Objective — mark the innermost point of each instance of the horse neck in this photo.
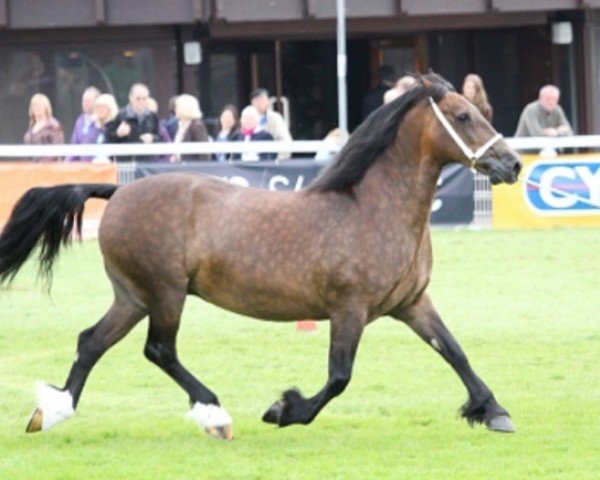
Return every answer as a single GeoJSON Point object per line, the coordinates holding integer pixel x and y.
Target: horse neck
{"type": "Point", "coordinates": [404, 181]}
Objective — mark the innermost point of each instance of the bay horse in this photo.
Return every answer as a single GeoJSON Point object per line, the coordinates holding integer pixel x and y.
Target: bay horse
{"type": "Point", "coordinates": [354, 246]}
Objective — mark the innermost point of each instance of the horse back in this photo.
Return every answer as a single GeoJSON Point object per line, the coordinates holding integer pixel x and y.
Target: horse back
{"type": "Point", "coordinates": [198, 234]}
{"type": "Point", "coordinates": [273, 255]}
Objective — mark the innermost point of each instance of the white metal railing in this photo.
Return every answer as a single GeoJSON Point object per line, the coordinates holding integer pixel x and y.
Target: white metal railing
{"type": "Point", "coordinates": [482, 199]}
{"type": "Point", "coordinates": [153, 149]}
{"type": "Point", "coordinates": [548, 143]}
{"type": "Point", "coordinates": [125, 172]}
{"type": "Point", "coordinates": [482, 194]}
{"type": "Point", "coordinates": [296, 146]}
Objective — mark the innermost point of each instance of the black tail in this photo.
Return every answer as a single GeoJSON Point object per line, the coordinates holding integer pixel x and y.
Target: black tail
{"type": "Point", "coordinates": [45, 215]}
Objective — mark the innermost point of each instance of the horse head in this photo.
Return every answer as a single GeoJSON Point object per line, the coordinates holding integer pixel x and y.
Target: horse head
{"type": "Point", "coordinates": [429, 120]}
{"type": "Point", "coordinates": [458, 132]}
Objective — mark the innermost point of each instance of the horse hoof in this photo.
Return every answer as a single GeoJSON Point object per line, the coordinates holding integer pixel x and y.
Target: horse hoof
{"type": "Point", "coordinates": [501, 423]}
{"type": "Point", "coordinates": [35, 422]}
{"type": "Point", "coordinates": [273, 414]}
{"type": "Point", "coordinates": [214, 419]}
{"type": "Point", "coordinates": [54, 406]}
{"type": "Point", "coordinates": [224, 432]}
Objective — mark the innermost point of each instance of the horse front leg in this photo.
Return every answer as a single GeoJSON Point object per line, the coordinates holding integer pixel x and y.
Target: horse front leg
{"type": "Point", "coordinates": [346, 330]}
{"type": "Point", "coordinates": [481, 407]}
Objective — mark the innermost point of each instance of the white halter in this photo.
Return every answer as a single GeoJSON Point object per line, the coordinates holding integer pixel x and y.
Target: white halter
{"type": "Point", "coordinates": [473, 156]}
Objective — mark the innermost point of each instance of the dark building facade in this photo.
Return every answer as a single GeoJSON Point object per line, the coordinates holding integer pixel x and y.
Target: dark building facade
{"type": "Point", "coordinates": [220, 50]}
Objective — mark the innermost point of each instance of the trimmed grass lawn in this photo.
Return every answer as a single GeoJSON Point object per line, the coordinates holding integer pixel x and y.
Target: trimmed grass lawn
{"type": "Point", "coordinates": [523, 304]}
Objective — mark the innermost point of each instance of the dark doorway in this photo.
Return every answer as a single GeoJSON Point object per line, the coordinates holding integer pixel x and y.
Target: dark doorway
{"type": "Point", "coordinates": [304, 72]}
{"type": "Point", "coordinates": [310, 81]}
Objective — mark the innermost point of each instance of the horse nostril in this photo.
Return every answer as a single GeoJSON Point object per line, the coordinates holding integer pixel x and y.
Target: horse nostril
{"type": "Point", "coordinates": [517, 167]}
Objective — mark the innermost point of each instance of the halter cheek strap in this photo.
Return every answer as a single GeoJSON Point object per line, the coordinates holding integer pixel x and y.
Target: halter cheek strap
{"type": "Point", "coordinates": [470, 154]}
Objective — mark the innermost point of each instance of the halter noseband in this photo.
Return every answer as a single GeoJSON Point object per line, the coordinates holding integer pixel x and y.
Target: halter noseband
{"type": "Point", "coordinates": [472, 156]}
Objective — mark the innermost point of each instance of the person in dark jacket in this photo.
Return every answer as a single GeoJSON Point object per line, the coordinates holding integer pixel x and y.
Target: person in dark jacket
{"type": "Point", "coordinates": [170, 123]}
{"type": "Point", "coordinates": [190, 127]}
{"type": "Point", "coordinates": [374, 99]}
{"type": "Point", "coordinates": [228, 129]}
{"type": "Point", "coordinates": [136, 123]}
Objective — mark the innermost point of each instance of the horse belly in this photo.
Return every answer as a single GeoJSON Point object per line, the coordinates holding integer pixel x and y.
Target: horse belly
{"type": "Point", "coordinates": [268, 300]}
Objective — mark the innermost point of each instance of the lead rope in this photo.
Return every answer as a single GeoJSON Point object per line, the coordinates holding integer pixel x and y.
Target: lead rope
{"type": "Point", "coordinates": [472, 156]}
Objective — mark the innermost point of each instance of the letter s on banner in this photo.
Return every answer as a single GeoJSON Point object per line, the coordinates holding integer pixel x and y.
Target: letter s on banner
{"type": "Point", "coordinates": [284, 183]}
{"type": "Point", "coordinates": [278, 179]}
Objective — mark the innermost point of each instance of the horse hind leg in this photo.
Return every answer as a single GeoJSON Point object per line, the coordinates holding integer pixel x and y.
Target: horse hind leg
{"type": "Point", "coordinates": [346, 331]}
{"type": "Point", "coordinates": [56, 405]}
{"type": "Point", "coordinates": [481, 406]}
{"type": "Point", "coordinates": [161, 350]}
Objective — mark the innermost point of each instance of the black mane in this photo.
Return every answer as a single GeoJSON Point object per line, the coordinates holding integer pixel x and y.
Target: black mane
{"type": "Point", "coordinates": [375, 135]}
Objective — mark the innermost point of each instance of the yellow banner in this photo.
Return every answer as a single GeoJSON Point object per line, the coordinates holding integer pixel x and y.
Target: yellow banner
{"type": "Point", "coordinates": [562, 191]}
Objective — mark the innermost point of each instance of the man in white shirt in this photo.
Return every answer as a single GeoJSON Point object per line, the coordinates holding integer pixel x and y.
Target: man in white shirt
{"type": "Point", "coordinates": [270, 120]}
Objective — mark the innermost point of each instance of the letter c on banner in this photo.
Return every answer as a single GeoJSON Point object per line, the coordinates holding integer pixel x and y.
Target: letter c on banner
{"type": "Point", "coordinates": [556, 200]}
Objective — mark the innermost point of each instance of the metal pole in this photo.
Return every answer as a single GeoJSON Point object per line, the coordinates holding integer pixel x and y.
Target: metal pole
{"type": "Point", "coordinates": [278, 78]}
{"type": "Point", "coordinates": [341, 71]}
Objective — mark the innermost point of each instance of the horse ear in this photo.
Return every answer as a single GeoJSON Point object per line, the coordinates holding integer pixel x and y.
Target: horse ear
{"type": "Point", "coordinates": [422, 80]}
{"type": "Point", "coordinates": [432, 79]}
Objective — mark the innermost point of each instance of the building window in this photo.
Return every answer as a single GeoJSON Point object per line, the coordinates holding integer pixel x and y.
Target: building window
{"type": "Point", "coordinates": [63, 73]}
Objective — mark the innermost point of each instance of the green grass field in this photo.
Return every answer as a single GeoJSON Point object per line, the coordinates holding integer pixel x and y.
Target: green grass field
{"type": "Point", "coordinates": [524, 306]}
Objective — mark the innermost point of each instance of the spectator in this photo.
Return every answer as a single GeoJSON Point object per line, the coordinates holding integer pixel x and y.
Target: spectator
{"type": "Point", "coordinates": [136, 123]}
{"type": "Point", "coordinates": [229, 129]}
{"type": "Point", "coordinates": [474, 91]}
{"type": "Point", "coordinates": [334, 138]}
{"type": "Point", "coordinates": [270, 120]}
{"type": "Point", "coordinates": [391, 95]}
{"type": "Point", "coordinates": [190, 127]}
{"type": "Point", "coordinates": [374, 99]}
{"type": "Point", "coordinates": [44, 129]}
{"type": "Point", "coordinates": [84, 130]}
{"type": "Point", "coordinates": [405, 83]}
{"type": "Point", "coordinates": [252, 131]}
{"type": "Point", "coordinates": [544, 117]}
{"type": "Point", "coordinates": [105, 114]}
{"type": "Point", "coordinates": [162, 131]}
{"type": "Point", "coordinates": [170, 123]}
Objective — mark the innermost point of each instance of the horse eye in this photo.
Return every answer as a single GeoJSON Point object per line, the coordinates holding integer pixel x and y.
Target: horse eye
{"type": "Point", "coordinates": [463, 117]}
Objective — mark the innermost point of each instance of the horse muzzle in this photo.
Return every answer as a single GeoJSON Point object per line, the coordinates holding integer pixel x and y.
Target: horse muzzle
{"type": "Point", "coordinates": [505, 169]}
